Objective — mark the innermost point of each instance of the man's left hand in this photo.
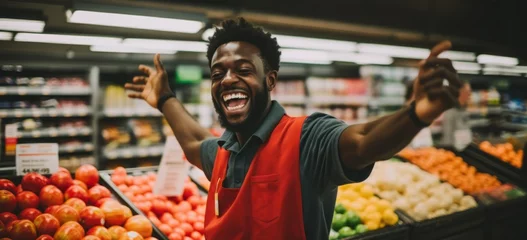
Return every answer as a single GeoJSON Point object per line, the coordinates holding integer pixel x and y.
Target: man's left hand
{"type": "Point", "coordinates": [436, 88]}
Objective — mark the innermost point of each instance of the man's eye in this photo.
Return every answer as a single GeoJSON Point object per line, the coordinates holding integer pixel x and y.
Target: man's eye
{"type": "Point", "coordinates": [216, 76]}
{"type": "Point", "coordinates": [244, 72]}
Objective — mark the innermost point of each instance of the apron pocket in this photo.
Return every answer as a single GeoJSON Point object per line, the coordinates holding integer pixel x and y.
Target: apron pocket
{"type": "Point", "coordinates": [264, 190]}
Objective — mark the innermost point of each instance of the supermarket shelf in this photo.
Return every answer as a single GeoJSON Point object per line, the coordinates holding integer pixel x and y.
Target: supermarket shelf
{"type": "Point", "coordinates": [74, 148]}
{"type": "Point", "coordinates": [44, 91]}
{"type": "Point", "coordinates": [56, 132]}
{"type": "Point", "coordinates": [45, 112]}
{"type": "Point", "coordinates": [386, 101]}
{"type": "Point", "coordinates": [515, 126]}
{"type": "Point", "coordinates": [479, 123]}
{"type": "Point", "coordinates": [339, 100]}
{"type": "Point", "coordinates": [291, 99]}
{"type": "Point", "coordinates": [144, 112]}
{"type": "Point", "coordinates": [484, 111]}
{"type": "Point", "coordinates": [134, 152]}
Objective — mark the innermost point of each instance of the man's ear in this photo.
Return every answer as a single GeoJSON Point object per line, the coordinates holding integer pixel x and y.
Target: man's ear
{"type": "Point", "coordinates": [271, 79]}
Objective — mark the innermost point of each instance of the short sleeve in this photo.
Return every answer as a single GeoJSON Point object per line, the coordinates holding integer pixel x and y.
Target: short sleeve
{"type": "Point", "coordinates": [209, 148]}
{"type": "Point", "coordinates": [319, 153]}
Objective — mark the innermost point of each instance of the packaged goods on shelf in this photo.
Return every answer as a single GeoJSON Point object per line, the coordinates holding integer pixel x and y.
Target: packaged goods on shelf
{"type": "Point", "coordinates": [289, 92]}
{"type": "Point", "coordinates": [117, 103]}
{"type": "Point", "coordinates": [146, 132]}
{"type": "Point", "coordinates": [504, 152]}
{"type": "Point", "coordinates": [65, 205]}
{"type": "Point", "coordinates": [71, 163]}
{"type": "Point", "coordinates": [419, 193]}
{"type": "Point", "coordinates": [338, 91]}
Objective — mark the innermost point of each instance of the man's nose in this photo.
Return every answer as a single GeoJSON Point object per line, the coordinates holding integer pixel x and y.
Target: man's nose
{"type": "Point", "coordinates": [229, 79]}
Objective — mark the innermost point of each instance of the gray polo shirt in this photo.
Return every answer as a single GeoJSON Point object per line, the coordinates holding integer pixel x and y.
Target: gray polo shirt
{"type": "Point", "coordinates": [321, 170]}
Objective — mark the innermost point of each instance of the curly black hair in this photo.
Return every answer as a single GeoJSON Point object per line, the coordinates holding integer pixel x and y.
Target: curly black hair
{"type": "Point", "coordinates": [240, 30]}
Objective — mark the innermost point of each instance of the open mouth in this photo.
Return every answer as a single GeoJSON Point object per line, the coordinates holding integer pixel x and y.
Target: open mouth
{"type": "Point", "coordinates": [235, 101]}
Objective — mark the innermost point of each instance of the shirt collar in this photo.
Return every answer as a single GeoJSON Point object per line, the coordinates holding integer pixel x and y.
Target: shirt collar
{"type": "Point", "coordinates": [263, 132]}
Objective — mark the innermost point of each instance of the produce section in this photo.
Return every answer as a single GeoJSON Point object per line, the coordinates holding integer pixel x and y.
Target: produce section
{"type": "Point", "coordinates": [504, 152]}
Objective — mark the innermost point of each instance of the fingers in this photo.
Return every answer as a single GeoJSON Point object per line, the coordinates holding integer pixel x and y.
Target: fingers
{"type": "Point", "coordinates": [139, 79]}
{"type": "Point", "coordinates": [134, 87]}
{"type": "Point", "coordinates": [434, 62]}
{"type": "Point", "coordinates": [146, 69]}
{"type": "Point", "coordinates": [134, 95]}
{"type": "Point", "coordinates": [440, 47]}
{"type": "Point", "coordinates": [440, 73]}
{"type": "Point", "coordinates": [158, 64]}
{"type": "Point", "coordinates": [448, 94]}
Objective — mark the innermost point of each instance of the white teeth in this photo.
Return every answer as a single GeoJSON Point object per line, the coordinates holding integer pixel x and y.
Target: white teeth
{"type": "Point", "coordinates": [235, 107]}
{"type": "Point", "coordinates": [228, 97]}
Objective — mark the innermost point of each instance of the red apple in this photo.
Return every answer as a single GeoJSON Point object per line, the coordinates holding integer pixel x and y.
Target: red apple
{"type": "Point", "coordinates": [7, 218]}
{"type": "Point", "coordinates": [114, 213]}
{"type": "Point", "coordinates": [100, 232]}
{"type": "Point", "coordinates": [66, 213]}
{"type": "Point", "coordinates": [69, 231]}
{"type": "Point", "coordinates": [87, 174]}
{"type": "Point", "coordinates": [131, 235]}
{"type": "Point", "coordinates": [46, 224]}
{"type": "Point", "coordinates": [52, 209]}
{"type": "Point", "coordinates": [50, 195]}
{"type": "Point", "coordinates": [116, 231]}
{"type": "Point", "coordinates": [139, 224]}
{"type": "Point", "coordinates": [3, 230]}
{"type": "Point", "coordinates": [19, 189]}
{"type": "Point", "coordinates": [29, 214]}
{"type": "Point", "coordinates": [119, 171]}
{"type": "Point", "coordinates": [27, 199]}
{"type": "Point", "coordinates": [61, 169]}
{"type": "Point", "coordinates": [23, 230]}
{"type": "Point", "coordinates": [101, 201]}
{"type": "Point", "coordinates": [45, 237]}
{"type": "Point", "coordinates": [91, 216]}
{"type": "Point", "coordinates": [76, 191]}
{"type": "Point", "coordinates": [34, 182]}
{"type": "Point", "coordinates": [7, 185]}
{"type": "Point", "coordinates": [9, 226]}
{"type": "Point", "coordinates": [81, 184]}
{"type": "Point", "coordinates": [91, 237]}
{"type": "Point", "coordinates": [7, 201]}
{"type": "Point", "coordinates": [98, 192]}
{"type": "Point", "coordinates": [76, 203]}
{"type": "Point", "coordinates": [61, 180]}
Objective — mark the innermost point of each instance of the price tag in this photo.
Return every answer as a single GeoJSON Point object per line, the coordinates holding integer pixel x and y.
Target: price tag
{"type": "Point", "coordinates": [462, 139]}
{"type": "Point", "coordinates": [423, 139]}
{"type": "Point", "coordinates": [42, 158]}
{"type": "Point", "coordinates": [22, 91]}
{"type": "Point", "coordinates": [173, 170]}
{"type": "Point", "coordinates": [11, 139]}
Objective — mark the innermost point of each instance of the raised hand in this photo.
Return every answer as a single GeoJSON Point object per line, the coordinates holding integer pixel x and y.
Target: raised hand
{"type": "Point", "coordinates": [436, 88]}
{"type": "Point", "coordinates": [151, 87]}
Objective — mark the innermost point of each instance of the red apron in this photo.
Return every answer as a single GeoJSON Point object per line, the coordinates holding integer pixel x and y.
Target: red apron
{"type": "Point", "coordinates": [269, 203]}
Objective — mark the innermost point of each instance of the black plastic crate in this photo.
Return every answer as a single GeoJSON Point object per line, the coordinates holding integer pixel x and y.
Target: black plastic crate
{"type": "Point", "coordinates": [11, 175]}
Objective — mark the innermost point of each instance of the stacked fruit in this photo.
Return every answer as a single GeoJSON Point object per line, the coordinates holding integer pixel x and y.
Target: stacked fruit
{"type": "Point", "coordinates": [180, 217]}
{"type": "Point", "coordinates": [418, 193]}
{"type": "Point", "coordinates": [358, 210]}
{"type": "Point", "coordinates": [63, 208]}
{"type": "Point", "coordinates": [504, 152]}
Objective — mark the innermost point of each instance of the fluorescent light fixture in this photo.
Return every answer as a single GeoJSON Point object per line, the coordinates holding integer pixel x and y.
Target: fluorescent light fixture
{"type": "Point", "coordinates": [497, 60]}
{"type": "Point", "coordinates": [305, 56]}
{"type": "Point", "coordinates": [207, 34]}
{"type": "Point", "coordinates": [21, 25]}
{"type": "Point", "coordinates": [66, 39]}
{"type": "Point", "coordinates": [459, 56]}
{"type": "Point", "coordinates": [134, 21]}
{"type": "Point", "coordinates": [394, 51]}
{"type": "Point", "coordinates": [466, 66]}
{"type": "Point", "coordinates": [6, 36]}
{"type": "Point", "coordinates": [506, 70]}
{"type": "Point", "coordinates": [361, 58]}
{"type": "Point", "coordinates": [126, 49]}
{"type": "Point", "coordinates": [468, 72]}
{"type": "Point", "coordinates": [184, 46]}
{"type": "Point", "coordinates": [314, 43]}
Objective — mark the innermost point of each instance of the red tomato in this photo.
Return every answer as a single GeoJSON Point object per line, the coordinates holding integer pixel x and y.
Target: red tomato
{"type": "Point", "coordinates": [165, 229]}
{"type": "Point", "coordinates": [180, 231]}
{"type": "Point", "coordinates": [129, 180]}
{"type": "Point", "coordinates": [200, 210]}
{"type": "Point", "coordinates": [149, 196]}
{"type": "Point", "coordinates": [194, 201]}
{"type": "Point", "coordinates": [175, 236]}
{"type": "Point", "coordinates": [201, 218]}
{"type": "Point", "coordinates": [181, 217]}
{"type": "Point", "coordinates": [166, 217]}
{"type": "Point", "coordinates": [145, 189]}
{"type": "Point", "coordinates": [195, 235]}
{"type": "Point", "coordinates": [134, 189]}
{"type": "Point", "coordinates": [191, 219]}
{"type": "Point", "coordinates": [173, 223]}
{"type": "Point", "coordinates": [186, 227]}
{"type": "Point", "coordinates": [123, 187]}
{"type": "Point", "coordinates": [184, 206]}
{"type": "Point", "coordinates": [199, 226]}
{"type": "Point", "coordinates": [159, 207]}
{"type": "Point", "coordinates": [187, 238]}
{"type": "Point", "coordinates": [140, 198]}
{"type": "Point", "coordinates": [160, 197]}
{"type": "Point", "coordinates": [129, 195]}
{"type": "Point", "coordinates": [154, 220]}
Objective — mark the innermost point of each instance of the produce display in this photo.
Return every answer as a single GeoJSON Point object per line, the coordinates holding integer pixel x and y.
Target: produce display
{"type": "Point", "coordinates": [504, 152]}
{"type": "Point", "coordinates": [358, 211]}
{"type": "Point", "coordinates": [179, 217]}
{"type": "Point", "coordinates": [451, 168]}
{"type": "Point", "coordinates": [64, 208]}
{"type": "Point", "coordinates": [418, 193]}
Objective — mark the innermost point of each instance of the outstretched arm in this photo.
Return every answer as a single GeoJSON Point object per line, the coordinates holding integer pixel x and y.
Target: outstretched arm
{"type": "Point", "coordinates": [188, 132]}
{"type": "Point", "coordinates": [361, 145]}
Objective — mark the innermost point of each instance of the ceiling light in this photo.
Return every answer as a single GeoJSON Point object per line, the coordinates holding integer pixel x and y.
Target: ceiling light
{"type": "Point", "coordinates": [457, 55]}
{"type": "Point", "coordinates": [185, 46]}
{"type": "Point", "coordinates": [394, 51]}
{"type": "Point", "coordinates": [305, 56]}
{"type": "Point", "coordinates": [497, 60]}
{"type": "Point", "coordinates": [21, 25]}
{"type": "Point", "coordinates": [134, 21]}
{"type": "Point", "coordinates": [468, 72]}
{"type": "Point", "coordinates": [361, 58]}
{"type": "Point", "coordinates": [126, 49]}
{"type": "Point", "coordinates": [66, 39]}
{"type": "Point", "coordinates": [503, 69]}
{"type": "Point", "coordinates": [466, 66]}
{"type": "Point", "coordinates": [6, 36]}
{"type": "Point", "coordinates": [315, 43]}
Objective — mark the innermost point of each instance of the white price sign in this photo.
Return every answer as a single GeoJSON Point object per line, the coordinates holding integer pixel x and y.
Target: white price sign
{"type": "Point", "coordinates": [423, 139]}
{"type": "Point", "coordinates": [173, 170]}
{"type": "Point", "coordinates": [42, 158]}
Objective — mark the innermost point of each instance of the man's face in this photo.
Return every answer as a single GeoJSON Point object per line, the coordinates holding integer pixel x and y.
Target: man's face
{"type": "Point", "coordinates": [464, 95]}
{"type": "Point", "coordinates": [239, 86]}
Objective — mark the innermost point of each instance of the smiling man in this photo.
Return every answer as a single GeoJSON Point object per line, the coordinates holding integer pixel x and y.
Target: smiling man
{"type": "Point", "coordinates": [274, 176]}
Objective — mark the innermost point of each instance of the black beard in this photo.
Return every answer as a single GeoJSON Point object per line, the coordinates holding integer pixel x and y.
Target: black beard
{"type": "Point", "coordinates": [256, 112]}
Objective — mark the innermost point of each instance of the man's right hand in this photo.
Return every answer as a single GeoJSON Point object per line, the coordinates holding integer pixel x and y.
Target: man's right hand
{"type": "Point", "coordinates": [152, 87]}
